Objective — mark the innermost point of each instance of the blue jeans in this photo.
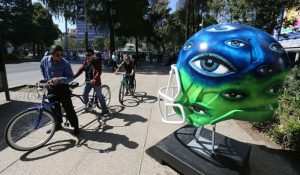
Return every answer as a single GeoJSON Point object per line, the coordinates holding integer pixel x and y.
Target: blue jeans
{"type": "Point", "coordinates": [128, 82]}
{"type": "Point", "coordinates": [88, 87]}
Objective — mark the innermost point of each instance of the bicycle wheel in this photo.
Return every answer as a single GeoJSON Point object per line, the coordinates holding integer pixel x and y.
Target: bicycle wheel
{"type": "Point", "coordinates": [27, 131]}
{"type": "Point", "coordinates": [105, 90]}
{"type": "Point", "coordinates": [121, 93]}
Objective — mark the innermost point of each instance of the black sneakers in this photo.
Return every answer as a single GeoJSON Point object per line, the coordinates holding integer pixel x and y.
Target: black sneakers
{"type": "Point", "coordinates": [104, 113]}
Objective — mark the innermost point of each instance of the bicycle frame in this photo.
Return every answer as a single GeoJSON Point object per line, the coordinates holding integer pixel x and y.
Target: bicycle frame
{"type": "Point", "coordinates": [124, 82]}
{"type": "Point", "coordinates": [41, 109]}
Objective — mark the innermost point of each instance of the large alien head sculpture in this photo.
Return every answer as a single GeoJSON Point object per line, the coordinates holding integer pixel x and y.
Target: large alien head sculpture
{"type": "Point", "coordinates": [226, 71]}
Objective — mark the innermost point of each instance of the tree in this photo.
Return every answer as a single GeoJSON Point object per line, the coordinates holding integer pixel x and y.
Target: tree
{"type": "Point", "coordinates": [65, 8]}
{"type": "Point", "coordinates": [266, 12]}
{"type": "Point", "coordinates": [15, 21]}
{"type": "Point", "coordinates": [44, 30]}
{"type": "Point", "coordinates": [99, 43]}
{"type": "Point", "coordinates": [102, 14]}
{"type": "Point", "coordinates": [158, 15]}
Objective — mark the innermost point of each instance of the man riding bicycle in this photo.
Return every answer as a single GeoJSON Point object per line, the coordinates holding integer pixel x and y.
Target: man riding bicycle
{"type": "Point", "coordinates": [93, 70]}
{"type": "Point", "coordinates": [130, 73]}
{"type": "Point", "coordinates": [58, 71]}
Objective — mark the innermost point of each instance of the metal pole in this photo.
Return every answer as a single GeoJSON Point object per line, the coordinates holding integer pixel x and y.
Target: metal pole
{"type": "Point", "coordinates": [86, 26]}
{"type": "Point", "coordinates": [213, 139]}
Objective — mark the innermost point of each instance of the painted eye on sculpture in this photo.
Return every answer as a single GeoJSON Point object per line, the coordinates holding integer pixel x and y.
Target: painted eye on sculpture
{"type": "Point", "coordinates": [276, 47]}
{"type": "Point", "coordinates": [235, 43]}
{"type": "Point", "coordinates": [211, 65]}
{"type": "Point", "coordinates": [275, 90]}
{"type": "Point", "coordinates": [188, 46]}
{"type": "Point", "coordinates": [233, 95]}
{"type": "Point", "coordinates": [221, 28]}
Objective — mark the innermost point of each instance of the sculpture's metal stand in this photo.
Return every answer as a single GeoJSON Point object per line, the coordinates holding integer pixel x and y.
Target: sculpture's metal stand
{"type": "Point", "coordinates": [202, 145]}
{"type": "Point", "coordinates": [198, 151]}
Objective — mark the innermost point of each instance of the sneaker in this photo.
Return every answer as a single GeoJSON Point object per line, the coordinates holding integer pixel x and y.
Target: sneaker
{"type": "Point", "coordinates": [105, 113]}
{"type": "Point", "coordinates": [58, 127]}
{"type": "Point", "coordinates": [76, 131]}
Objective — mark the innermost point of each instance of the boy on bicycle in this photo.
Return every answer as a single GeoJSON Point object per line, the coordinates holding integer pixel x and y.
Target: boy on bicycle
{"type": "Point", "coordinates": [130, 73]}
{"type": "Point", "coordinates": [93, 70]}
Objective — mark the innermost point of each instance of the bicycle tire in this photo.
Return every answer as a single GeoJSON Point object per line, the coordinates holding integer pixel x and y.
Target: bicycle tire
{"type": "Point", "coordinates": [121, 93]}
{"type": "Point", "coordinates": [105, 90]}
{"type": "Point", "coordinates": [44, 128]}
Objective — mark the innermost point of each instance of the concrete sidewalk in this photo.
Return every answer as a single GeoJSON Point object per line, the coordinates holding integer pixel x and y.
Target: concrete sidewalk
{"type": "Point", "coordinates": [117, 146]}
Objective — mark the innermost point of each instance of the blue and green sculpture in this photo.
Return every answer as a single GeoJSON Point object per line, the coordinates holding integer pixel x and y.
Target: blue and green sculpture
{"type": "Point", "coordinates": [226, 71]}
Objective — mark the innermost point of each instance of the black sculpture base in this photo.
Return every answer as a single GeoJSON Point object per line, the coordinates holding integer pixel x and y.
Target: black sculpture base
{"type": "Point", "coordinates": [183, 153]}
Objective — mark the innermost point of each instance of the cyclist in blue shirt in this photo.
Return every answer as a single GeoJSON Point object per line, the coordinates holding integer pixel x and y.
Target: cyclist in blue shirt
{"type": "Point", "coordinates": [59, 72]}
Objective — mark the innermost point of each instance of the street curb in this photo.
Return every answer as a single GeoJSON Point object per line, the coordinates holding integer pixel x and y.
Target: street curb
{"type": "Point", "coordinates": [20, 87]}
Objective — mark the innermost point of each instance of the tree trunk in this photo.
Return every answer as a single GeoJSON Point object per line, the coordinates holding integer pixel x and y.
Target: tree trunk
{"type": "Point", "coordinates": [33, 49]}
{"type": "Point", "coordinates": [162, 44]}
{"type": "Point", "coordinates": [187, 26]}
{"type": "Point", "coordinates": [193, 15]}
{"type": "Point", "coordinates": [136, 45]}
{"type": "Point", "coordinates": [3, 72]}
{"type": "Point", "coordinates": [111, 28]}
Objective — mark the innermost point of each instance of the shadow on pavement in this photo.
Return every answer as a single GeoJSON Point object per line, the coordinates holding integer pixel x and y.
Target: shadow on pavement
{"type": "Point", "coordinates": [129, 119]}
{"type": "Point", "coordinates": [53, 148]}
{"type": "Point", "coordinates": [138, 98]}
{"type": "Point", "coordinates": [264, 160]}
{"type": "Point", "coordinates": [103, 137]}
{"type": "Point", "coordinates": [8, 111]}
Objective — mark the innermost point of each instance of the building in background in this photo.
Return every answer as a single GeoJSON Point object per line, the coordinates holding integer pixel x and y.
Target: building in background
{"type": "Point", "coordinates": [92, 30]}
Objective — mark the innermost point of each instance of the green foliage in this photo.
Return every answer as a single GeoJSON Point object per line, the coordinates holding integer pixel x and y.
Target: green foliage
{"type": "Point", "coordinates": [266, 11]}
{"type": "Point", "coordinates": [16, 21]}
{"type": "Point", "coordinates": [98, 43]}
{"type": "Point", "coordinates": [45, 31]}
{"type": "Point", "coordinates": [285, 128]}
{"type": "Point", "coordinates": [64, 8]}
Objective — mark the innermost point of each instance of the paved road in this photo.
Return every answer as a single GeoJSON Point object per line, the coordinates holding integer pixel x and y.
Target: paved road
{"type": "Point", "coordinates": [26, 73]}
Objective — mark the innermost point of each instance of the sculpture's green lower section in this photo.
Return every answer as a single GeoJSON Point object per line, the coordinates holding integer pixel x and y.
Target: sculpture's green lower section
{"type": "Point", "coordinates": [249, 98]}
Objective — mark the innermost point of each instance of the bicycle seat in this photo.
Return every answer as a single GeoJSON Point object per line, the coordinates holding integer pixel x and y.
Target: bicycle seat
{"type": "Point", "coordinates": [73, 85]}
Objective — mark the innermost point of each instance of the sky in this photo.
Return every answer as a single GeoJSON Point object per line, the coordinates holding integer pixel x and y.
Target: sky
{"type": "Point", "coordinates": [61, 22]}
{"type": "Point", "coordinates": [172, 5]}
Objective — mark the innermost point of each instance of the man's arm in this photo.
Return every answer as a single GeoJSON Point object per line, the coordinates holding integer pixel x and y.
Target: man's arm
{"type": "Point", "coordinates": [79, 71]}
{"type": "Point", "coordinates": [119, 67]}
{"type": "Point", "coordinates": [43, 71]}
{"type": "Point", "coordinates": [98, 69]}
{"type": "Point", "coordinates": [132, 71]}
{"type": "Point", "coordinates": [68, 75]}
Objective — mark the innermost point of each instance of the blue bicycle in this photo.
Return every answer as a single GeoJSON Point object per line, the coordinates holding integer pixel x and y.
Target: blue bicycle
{"type": "Point", "coordinates": [35, 126]}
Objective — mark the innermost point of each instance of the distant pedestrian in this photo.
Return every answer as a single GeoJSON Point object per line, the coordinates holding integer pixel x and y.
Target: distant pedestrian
{"type": "Point", "coordinates": [114, 59]}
